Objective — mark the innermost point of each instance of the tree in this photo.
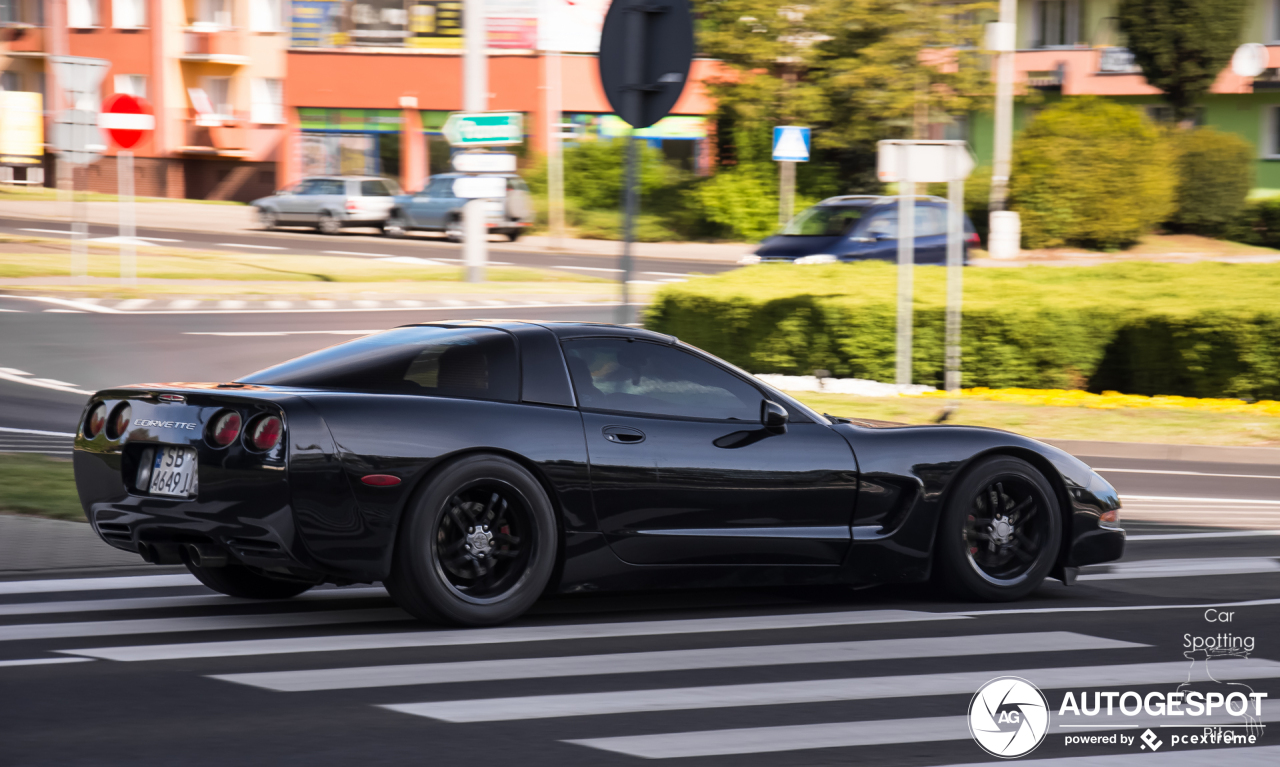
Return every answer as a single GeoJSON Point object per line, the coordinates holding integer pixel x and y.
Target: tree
{"type": "Point", "coordinates": [856, 71]}
{"type": "Point", "coordinates": [1182, 45]}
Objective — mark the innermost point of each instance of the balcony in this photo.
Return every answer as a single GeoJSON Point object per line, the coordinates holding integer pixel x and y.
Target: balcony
{"type": "Point", "coordinates": [23, 39]}
{"type": "Point", "coordinates": [213, 45]}
{"type": "Point", "coordinates": [226, 140]}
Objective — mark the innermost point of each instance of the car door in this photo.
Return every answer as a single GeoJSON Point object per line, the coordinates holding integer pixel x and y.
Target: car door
{"type": "Point", "coordinates": [439, 194]}
{"type": "Point", "coordinates": [293, 205]}
{"type": "Point", "coordinates": [930, 234]}
{"type": "Point", "coordinates": [878, 236]}
{"type": "Point", "coordinates": [683, 472]}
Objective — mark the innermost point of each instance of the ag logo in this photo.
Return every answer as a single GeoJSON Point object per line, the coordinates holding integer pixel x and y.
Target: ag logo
{"type": "Point", "coordinates": [1008, 717]}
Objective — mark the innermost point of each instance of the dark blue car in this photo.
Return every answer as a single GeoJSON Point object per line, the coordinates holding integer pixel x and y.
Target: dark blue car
{"type": "Point", "coordinates": [860, 227]}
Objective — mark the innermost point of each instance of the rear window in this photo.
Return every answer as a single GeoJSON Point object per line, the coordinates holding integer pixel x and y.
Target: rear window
{"type": "Point", "coordinates": [471, 363]}
{"type": "Point", "coordinates": [823, 221]}
{"type": "Point", "coordinates": [374, 189]}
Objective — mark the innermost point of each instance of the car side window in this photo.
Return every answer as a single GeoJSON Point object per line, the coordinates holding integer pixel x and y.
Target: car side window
{"type": "Point", "coordinates": [655, 379]}
{"type": "Point", "coordinates": [328, 186]}
{"type": "Point", "coordinates": [471, 363]}
{"type": "Point", "coordinates": [374, 189]}
{"type": "Point", "coordinates": [440, 188]}
{"type": "Point", "coordinates": [884, 224]}
{"type": "Point", "coordinates": [930, 221]}
{"type": "Point", "coordinates": [306, 187]}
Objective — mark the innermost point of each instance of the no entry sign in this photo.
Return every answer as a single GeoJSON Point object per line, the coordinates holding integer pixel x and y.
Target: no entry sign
{"type": "Point", "coordinates": [125, 118]}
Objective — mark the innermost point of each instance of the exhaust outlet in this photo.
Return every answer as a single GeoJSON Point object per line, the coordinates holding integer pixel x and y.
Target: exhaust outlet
{"type": "Point", "coordinates": [203, 555]}
{"type": "Point", "coordinates": [147, 553]}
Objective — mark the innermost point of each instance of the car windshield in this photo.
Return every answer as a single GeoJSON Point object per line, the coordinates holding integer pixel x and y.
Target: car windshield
{"type": "Point", "coordinates": [823, 221]}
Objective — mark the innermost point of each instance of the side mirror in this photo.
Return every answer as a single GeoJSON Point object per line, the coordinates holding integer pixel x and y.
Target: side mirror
{"type": "Point", "coordinates": [774, 417]}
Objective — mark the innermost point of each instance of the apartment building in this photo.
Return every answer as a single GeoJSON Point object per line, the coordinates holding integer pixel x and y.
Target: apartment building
{"type": "Point", "coordinates": [1074, 47]}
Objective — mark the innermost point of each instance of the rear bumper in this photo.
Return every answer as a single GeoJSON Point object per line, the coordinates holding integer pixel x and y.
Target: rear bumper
{"type": "Point", "coordinates": [259, 532]}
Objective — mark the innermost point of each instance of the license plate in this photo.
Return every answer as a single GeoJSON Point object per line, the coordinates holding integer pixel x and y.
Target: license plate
{"type": "Point", "coordinates": [174, 472]}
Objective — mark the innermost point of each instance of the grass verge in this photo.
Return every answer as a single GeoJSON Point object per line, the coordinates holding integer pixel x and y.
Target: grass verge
{"type": "Point", "coordinates": [178, 265]}
{"type": "Point", "coordinates": [38, 485]}
{"type": "Point", "coordinates": [1182, 427]}
{"type": "Point", "coordinates": [45, 193]}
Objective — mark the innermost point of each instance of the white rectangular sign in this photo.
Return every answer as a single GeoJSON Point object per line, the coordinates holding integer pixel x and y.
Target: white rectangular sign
{"type": "Point", "coordinates": [480, 187]}
{"type": "Point", "coordinates": [925, 162]}
{"type": "Point", "coordinates": [484, 162]}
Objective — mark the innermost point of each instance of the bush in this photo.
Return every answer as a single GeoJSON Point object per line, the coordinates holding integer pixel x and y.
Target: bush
{"type": "Point", "coordinates": [1199, 330]}
{"type": "Point", "coordinates": [1090, 173]}
{"type": "Point", "coordinates": [1215, 173]}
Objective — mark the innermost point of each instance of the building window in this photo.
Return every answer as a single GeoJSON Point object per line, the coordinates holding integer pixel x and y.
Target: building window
{"type": "Point", "coordinates": [133, 85]}
{"type": "Point", "coordinates": [218, 89]}
{"type": "Point", "coordinates": [1269, 146]}
{"type": "Point", "coordinates": [8, 11]}
{"type": "Point", "coordinates": [215, 13]}
{"type": "Point", "coordinates": [264, 16]}
{"type": "Point", "coordinates": [1163, 113]}
{"type": "Point", "coordinates": [1056, 23]}
{"type": "Point", "coordinates": [268, 101]}
{"type": "Point", "coordinates": [82, 14]}
{"type": "Point", "coordinates": [9, 81]}
{"type": "Point", "coordinates": [129, 14]}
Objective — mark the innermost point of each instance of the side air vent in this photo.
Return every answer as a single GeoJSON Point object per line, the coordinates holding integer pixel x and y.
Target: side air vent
{"type": "Point", "coordinates": [115, 531]}
{"type": "Point", "coordinates": [250, 547]}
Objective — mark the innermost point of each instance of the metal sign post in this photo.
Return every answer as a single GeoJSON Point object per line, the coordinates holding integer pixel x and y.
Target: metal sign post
{"type": "Point", "coordinates": [790, 146]}
{"type": "Point", "coordinates": [645, 53]}
{"type": "Point", "coordinates": [475, 98]}
{"type": "Point", "coordinates": [909, 163]}
{"type": "Point", "coordinates": [76, 138]}
{"type": "Point", "coordinates": [126, 119]}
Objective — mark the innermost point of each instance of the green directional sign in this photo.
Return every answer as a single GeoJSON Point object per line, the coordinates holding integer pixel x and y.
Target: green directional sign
{"type": "Point", "coordinates": [484, 128]}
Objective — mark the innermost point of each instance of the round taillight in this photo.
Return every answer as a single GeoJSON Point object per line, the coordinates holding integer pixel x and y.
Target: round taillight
{"type": "Point", "coordinates": [94, 422]}
{"type": "Point", "coordinates": [119, 423]}
{"type": "Point", "coordinates": [225, 428]}
{"type": "Point", "coordinates": [264, 432]}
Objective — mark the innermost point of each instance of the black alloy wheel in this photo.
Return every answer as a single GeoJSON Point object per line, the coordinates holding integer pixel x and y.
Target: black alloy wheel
{"type": "Point", "coordinates": [477, 545]}
{"type": "Point", "coordinates": [327, 223]}
{"type": "Point", "coordinates": [397, 226]}
{"type": "Point", "coordinates": [514, 234]}
{"type": "Point", "coordinates": [1001, 532]}
{"type": "Point", "coordinates": [453, 229]}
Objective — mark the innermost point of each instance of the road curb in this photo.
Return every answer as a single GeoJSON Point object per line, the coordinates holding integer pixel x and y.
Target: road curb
{"type": "Point", "coordinates": [1262, 456]}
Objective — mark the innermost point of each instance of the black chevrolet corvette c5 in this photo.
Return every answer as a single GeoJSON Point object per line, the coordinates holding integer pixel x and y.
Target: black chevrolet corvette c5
{"type": "Point", "coordinates": [473, 466]}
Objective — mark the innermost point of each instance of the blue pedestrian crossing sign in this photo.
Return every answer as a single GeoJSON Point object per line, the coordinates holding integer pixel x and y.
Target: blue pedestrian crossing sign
{"type": "Point", "coordinates": [791, 144]}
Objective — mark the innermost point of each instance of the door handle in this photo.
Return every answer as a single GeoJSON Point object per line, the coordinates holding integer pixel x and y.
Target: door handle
{"type": "Point", "coordinates": [623, 435]}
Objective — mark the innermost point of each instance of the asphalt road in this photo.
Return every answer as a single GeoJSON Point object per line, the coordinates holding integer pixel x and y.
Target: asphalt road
{"type": "Point", "coordinates": [365, 243]}
{"type": "Point", "coordinates": [162, 673]}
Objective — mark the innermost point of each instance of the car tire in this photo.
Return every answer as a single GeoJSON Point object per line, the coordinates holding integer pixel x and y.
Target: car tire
{"type": "Point", "coordinates": [1000, 532]}
{"type": "Point", "coordinates": [477, 545]}
{"type": "Point", "coordinates": [268, 219]}
{"type": "Point", "coordinates": [396, 226]}
{"type": "Point", "coordinates": [236, 580]}
{"type": "Point", "coordinates": [514, 235]}
{"type": "Point", "coordinates": [327, 223]}
{"type": "Point", "coordinates": [453, 230]}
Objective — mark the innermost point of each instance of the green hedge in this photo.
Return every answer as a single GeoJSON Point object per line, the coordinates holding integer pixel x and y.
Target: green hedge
{"type": "Point", "coordinates": [1215, 173]}
{"type": "Point", "coordinates": [1203, 330]}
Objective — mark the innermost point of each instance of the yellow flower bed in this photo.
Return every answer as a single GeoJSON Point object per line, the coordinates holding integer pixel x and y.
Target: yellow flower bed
{"type": "Point", "coordinates": [1111, 400]}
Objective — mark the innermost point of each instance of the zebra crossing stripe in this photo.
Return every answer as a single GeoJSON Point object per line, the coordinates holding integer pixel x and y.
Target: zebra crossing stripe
{"type": "Point", "coordinates": [56, 585]}
{"type": "Point", "coordinates": [674, 660]}
{"type": "Point", "coordinates": [763, 740]}
{"type": "Point", "coordinates": [505, 635]}
{"type": "Point", "coordinates": [815, 691]}
{"type": "Point", "coordinates": [204, 623]}
{"type": "Point", "coordinates": [1179, 568]}
{"type": "Point", "coordinates": [162, 603]}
